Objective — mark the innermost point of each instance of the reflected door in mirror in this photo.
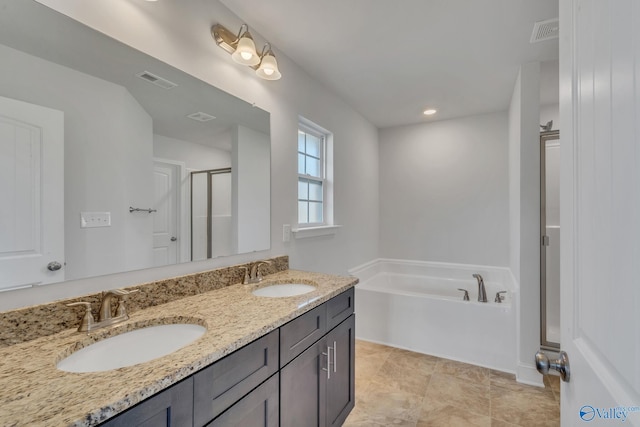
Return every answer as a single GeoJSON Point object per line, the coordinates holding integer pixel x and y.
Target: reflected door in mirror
{"type": "Point", "coordinates": [31, 177]}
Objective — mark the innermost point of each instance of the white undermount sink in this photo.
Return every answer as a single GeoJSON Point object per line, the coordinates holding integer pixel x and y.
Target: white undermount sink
{"type": "Point", "coordinates": [131, 348]}
{"type": "Point", "coordinates": [284, 290]}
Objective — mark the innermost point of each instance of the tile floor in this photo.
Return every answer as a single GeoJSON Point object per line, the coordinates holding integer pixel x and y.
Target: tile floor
{"type": "Point", "coordinates": [400, 388]}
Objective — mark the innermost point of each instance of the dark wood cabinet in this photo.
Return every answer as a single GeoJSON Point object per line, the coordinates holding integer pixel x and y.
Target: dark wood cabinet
{"type": "Point", "coordinates": [299, 375]}
{"type": "Point", "coordinates": [172, 407]}
{"type": "Point", "coordinates": [301, 332]}
{"type": "Point", "coordinates": [220, 385]}
{"type": "Point", "coordinates": [341, 385]}
{"type": "Point", "coordinates": [303, 388]}
{"type": "Point", "coordinates": [260, 408]}
{"type": "Point", "coordinates": [317, 388]}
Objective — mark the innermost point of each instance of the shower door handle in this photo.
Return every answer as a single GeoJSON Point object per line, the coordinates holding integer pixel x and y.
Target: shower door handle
{"type": "Point", "coordinates": [561, 364]}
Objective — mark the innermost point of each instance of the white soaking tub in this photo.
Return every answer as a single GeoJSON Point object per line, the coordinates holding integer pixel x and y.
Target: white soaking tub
{"type": "Point", "coordinates": [417, 306]}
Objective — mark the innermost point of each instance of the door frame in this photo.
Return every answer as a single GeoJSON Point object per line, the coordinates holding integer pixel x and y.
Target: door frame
{"type": "Point", "coordinates": [545, 344]}
{"type": "Point", "coordinates": [183, 211]}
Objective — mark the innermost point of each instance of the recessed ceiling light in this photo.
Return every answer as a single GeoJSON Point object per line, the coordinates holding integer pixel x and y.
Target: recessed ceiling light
{"type": "Point", "coordinates": [429, 112]}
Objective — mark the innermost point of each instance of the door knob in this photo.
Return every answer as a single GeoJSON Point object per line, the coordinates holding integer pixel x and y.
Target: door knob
{"type": "Point", "coordinates": [543, 364]}
{"type": "Point", "coordinates": [54, 266]}
{"type": "Point", "coordinates": [174, 238]}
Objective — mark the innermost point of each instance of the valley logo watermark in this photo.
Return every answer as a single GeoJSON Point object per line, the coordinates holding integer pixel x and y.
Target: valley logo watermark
{"type": "Point", "coordinates": [617, 413]}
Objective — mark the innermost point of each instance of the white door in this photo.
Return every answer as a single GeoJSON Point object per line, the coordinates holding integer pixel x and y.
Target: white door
{"type": "Point", "coordinates": [31, 194]}
{"type": "Point", "coordinates": [165, 219]}
{"type": "Point", "coordinates": [600, 278]}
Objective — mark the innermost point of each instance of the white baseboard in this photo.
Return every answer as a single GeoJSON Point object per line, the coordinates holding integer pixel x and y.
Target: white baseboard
{"type": "Point", "coordinates": [528, 374]}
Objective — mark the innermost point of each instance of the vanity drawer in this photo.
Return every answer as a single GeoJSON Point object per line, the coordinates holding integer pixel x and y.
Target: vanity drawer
{"type": "Point", "coordinates": [340, 308]}
{"type": "Point", "coordinates": [297, 335]}
{"type": "Point", "coordinates": [260, 408]}
{"type": "Point", "coordinates": [225, 382]}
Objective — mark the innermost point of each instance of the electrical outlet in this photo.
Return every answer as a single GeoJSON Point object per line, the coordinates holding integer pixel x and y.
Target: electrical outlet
{"type": "Point", "coordinates": [286, 232]}
{"type": "Point", "coordinates": [95, 219]}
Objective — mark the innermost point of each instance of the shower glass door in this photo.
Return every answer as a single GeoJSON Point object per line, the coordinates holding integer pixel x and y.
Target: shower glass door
{"type": "Point", "coordinates": [211, 217]}
{"type": "Point", "coordinates": [550, 240]}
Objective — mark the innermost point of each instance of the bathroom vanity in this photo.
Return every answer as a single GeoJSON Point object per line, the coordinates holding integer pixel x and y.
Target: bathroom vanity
{"type": "Point", "coordinates": [301, 374]}
{"type": "Point", "coordinates": [261, 362]}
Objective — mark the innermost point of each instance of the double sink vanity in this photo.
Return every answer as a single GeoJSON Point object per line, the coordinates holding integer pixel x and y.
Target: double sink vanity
{"type": "Point", "coordinates": [275, 353]}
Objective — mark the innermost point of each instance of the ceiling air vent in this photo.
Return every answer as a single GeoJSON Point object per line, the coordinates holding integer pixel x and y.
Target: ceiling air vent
{"type": "Point", "coordinates": [201, 117]}
{"type": "Point", "coordinates": [545, 30]}
{"type": "Point", "coordinates": [156, 80]}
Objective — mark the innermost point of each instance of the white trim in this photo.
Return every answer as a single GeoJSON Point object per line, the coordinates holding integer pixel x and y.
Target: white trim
{"type": "Point", "coordinates": [528, 374]}
{"type": "Point", "coordinates": [324, 230]}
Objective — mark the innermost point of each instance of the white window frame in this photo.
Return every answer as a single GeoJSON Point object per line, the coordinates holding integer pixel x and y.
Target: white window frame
{"type": "Point", "coordinates": [326, 166]}
{"type": "Point", "coordinates": [322, 178]}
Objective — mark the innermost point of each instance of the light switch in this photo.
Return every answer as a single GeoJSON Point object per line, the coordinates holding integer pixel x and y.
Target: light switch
{"type": "Point", "coordinates": [95, 219]}
{"type": "Point", "coordinates": [286, 232]}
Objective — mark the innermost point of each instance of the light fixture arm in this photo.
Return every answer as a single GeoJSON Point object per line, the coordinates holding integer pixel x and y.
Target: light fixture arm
{"type": "Point", "coordinates": [265, 49]}
{"type": "Point", "coordinates": [240, 32]}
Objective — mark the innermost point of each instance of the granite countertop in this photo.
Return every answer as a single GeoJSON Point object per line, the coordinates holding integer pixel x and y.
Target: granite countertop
{"type": "Point", "coordinates": [33, 392]}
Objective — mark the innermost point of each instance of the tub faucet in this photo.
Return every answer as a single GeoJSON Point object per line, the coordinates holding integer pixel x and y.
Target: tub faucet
{"type": "Point", "coordinates": [482, 293]}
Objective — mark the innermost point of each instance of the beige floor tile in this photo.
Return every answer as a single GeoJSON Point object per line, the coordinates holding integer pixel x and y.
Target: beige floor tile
{"type": "Point", "coordinates": [459, 393]}
{"type": "Point", "coordinates": [382, 403]}
{"type": "Point", "coordinates": [465, 371]}
{"type": "Point", "coordinates": [529, 408]}
{"type": "Point", "coordinates": [447, 415]}
{"type": "Point", "coordinates": [500, 423]}
{"type": "Point", "coordinates": [400, 388]}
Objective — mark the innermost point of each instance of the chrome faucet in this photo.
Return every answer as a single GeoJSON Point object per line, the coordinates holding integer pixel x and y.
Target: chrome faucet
{"type": "Point", "coordinates": [255, 275]}
{"type": "Point", "coordinates": [106, 317]}
{"type": "Point", "coordinates": [106, 312]}
{"type": "Point", "coordinates": [482, 293]}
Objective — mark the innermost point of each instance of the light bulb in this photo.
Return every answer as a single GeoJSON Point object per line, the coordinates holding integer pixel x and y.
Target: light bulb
{"type": "Point", "coordinates": [268, 69]}
{"type": "Point", "coordinates": [245, 53]}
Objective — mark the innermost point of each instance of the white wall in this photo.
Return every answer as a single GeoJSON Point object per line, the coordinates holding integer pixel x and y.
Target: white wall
{"type": "Point", "coordinates": [194, 156]}
{"type": "Point", "coordinates": [524, 211]}
{"type": "Point", "coordinates": [250, 191]}
{"type": "Point", "coordinates": [444, 192]}
{"type": "Point", "coordinates": [178, 33]}
{"type": "Point", "coordinates": [103, 169]}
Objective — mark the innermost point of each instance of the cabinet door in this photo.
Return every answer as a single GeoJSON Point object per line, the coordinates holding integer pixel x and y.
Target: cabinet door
{"type": "Point", "coordinates": [341, 384]}
{"type": "Point", "coordinates": [257, 409]}
{"type": "Point", "coordinates": [303, 388]}
{"type": "Point", "coordinates": [172, 407]}
{"type": "Point", "coordinates": [222, 384]}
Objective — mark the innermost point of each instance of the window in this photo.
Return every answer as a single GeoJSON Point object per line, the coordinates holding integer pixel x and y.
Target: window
{"type": "Point", "coordinates": [313, 182]}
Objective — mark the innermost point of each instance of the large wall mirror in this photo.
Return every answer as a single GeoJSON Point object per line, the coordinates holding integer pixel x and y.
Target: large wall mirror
{"type": "Point", "coordinates": [113, 161]}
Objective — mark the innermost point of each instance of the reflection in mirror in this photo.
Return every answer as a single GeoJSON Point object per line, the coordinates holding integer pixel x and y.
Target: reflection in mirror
{"type": "Point", "coordinates": [90, 128]}
{"type": "Point", "coordinates": [211, 213]}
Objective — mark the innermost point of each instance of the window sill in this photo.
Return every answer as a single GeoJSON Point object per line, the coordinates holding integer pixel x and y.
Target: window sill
{"type": "Point", "coordinates": [324, 230]}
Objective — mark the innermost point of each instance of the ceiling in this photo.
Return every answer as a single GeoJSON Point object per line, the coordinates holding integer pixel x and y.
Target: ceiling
{"type": "Point", "coordinates": [392, 59]}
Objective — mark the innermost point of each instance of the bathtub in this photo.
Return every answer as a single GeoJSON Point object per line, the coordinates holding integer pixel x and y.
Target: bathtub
{"type": "Point", "coordinates": [416, 305]}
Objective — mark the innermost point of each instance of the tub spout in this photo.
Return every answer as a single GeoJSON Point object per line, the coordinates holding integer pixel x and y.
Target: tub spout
{"type": "Point", "coordinates": [482, 293]}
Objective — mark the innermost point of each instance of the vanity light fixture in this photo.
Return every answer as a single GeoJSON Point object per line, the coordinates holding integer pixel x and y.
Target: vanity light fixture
{"type": "Point", "coordinates": [243, 51]}
{"type": "Point", "coordinates": [268, 68]}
